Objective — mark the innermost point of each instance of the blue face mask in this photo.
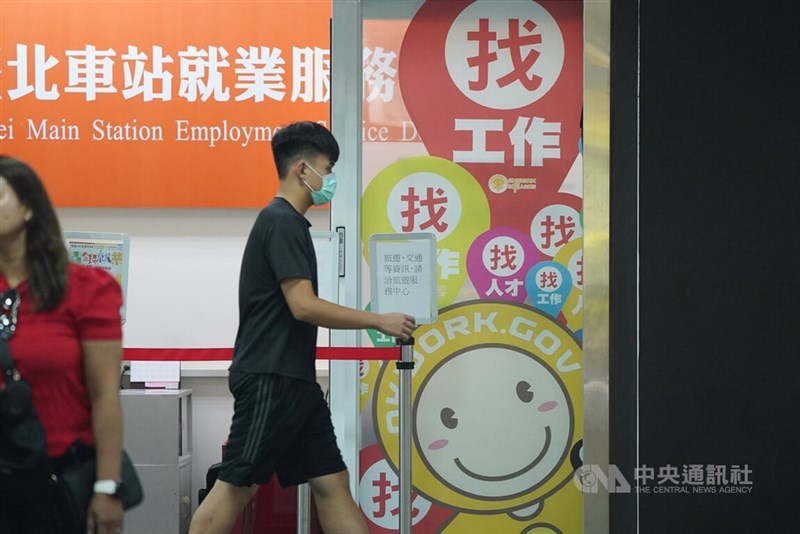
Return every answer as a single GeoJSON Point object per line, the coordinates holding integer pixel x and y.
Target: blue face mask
{"type": "Point", "coordinates": [325, 194]}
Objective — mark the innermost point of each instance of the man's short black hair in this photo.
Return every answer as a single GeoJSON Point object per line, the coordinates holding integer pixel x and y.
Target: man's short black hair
{"type": "Point", "coordinates": [302, 140]}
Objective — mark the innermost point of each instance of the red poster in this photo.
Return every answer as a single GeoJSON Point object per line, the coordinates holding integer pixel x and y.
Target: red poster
{"type": "Point", "coordinates": [493, 90]}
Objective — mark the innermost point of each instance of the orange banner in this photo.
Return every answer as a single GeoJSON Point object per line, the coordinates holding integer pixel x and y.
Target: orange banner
{"type": "Point", "coordinates": [159, 104]}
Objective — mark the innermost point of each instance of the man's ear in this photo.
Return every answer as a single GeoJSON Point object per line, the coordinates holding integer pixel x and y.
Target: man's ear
{"type": "Point", "coordinates": [298, 167]}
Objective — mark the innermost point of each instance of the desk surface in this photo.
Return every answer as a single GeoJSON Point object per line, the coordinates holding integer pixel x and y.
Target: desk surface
{"type": "Point", "coordinates": [157, 391]}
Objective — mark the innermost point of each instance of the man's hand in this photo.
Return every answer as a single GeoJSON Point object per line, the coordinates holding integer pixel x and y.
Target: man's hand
{"type": "Point", "coordinates": [396, 325]}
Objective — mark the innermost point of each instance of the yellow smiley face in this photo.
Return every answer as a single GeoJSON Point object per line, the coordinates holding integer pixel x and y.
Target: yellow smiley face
{"type": "Point", "coordinates": [496, 408]}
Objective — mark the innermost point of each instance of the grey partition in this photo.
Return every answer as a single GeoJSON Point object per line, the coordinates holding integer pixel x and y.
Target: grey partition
{"type": "Point", "coordinates": [157, 434]}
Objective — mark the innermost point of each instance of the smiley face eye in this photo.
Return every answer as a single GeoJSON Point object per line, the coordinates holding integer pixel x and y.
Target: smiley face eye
{"type": "Point", "coordinates": [448, 417]}
{"type": "Point", "coordinates": [524, 392]}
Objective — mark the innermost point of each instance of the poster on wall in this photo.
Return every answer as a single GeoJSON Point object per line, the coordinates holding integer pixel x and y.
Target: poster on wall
{"type": "Point", "coordinates": [483, 124]}
{"type": "Point", "coordinates": [104, 250]}
{"type": "Point", "coordinates": [134, 103]}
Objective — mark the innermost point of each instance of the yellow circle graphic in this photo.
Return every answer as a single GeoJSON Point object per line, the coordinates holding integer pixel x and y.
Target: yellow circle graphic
{"type": "Point", "coordinates": [428, 194]}
{"type": "Point", "coordinates": [497, 410]}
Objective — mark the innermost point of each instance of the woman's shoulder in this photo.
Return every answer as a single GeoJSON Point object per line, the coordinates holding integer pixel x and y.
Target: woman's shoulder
{"type": "Point", "coordinates": [94, 299]}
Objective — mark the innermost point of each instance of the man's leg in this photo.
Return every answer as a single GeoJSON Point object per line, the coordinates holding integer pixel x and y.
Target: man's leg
{"type": "Point", "coordinates": [245, 460]}
{"type": "Point", "coordinates": [338, 513]}
{"type": "Point", "coordinates": [218, 512]}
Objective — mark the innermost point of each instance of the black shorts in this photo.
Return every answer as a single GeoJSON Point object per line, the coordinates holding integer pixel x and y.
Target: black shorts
{"type": "Point", "coordinates": [280, 425]}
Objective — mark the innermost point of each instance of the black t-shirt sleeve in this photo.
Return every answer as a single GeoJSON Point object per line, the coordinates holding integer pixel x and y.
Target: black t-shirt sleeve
{"type": "Point", "coordinates": [288, 250]}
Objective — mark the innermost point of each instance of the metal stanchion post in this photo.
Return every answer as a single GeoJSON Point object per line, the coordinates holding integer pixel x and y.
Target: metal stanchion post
{"type": "Point", "coordinates": [303, 509]}
{"type": "Point", "coordinates": [404, 367]}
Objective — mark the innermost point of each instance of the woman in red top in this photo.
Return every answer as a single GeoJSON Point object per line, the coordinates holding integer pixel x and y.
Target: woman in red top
{"type": "Point", "coordinates": [67, 345]}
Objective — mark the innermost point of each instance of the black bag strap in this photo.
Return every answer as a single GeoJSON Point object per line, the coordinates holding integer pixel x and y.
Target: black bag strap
{"type": "Point", "coordinates": [7, 362]}
{"type": "Point", "coordinates": [7, 327]}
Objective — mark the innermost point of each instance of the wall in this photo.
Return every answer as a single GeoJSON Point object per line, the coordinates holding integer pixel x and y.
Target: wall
{"type": "Point", "coordinates": [184, 270]}
{"type": "Point", "coordinates": [717, 342]}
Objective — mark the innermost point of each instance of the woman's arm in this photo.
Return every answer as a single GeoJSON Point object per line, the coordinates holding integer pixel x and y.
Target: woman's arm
{"type": "Point", "coordinates": [101, 364]}
{"type": "Point", "coordinates": [101, 360]}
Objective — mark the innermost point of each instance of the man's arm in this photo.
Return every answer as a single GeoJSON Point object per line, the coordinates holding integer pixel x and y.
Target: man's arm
{"type": "Point", "coordinates": [309, 308]}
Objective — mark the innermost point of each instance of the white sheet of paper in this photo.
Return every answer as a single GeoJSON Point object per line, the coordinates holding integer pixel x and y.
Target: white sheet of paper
{"type": "Point", "coordinates": [146, 371]}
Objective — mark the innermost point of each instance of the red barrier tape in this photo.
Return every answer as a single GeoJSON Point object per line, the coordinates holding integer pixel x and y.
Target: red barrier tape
{"type": "Point", "coordinates": [358, 353]}
{"type": "Point", "coordinates": [200, 355]}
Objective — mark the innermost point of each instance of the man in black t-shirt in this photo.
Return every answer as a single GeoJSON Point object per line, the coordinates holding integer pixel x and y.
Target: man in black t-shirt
{"type": "Point", "coordinates": [281, 422]}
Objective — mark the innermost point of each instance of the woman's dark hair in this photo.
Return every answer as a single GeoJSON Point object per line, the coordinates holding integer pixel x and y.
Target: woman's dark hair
{"type": "Point", "coordinates": [46, 256]}
{"type": "Point", "coordinates": [302, 139]}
